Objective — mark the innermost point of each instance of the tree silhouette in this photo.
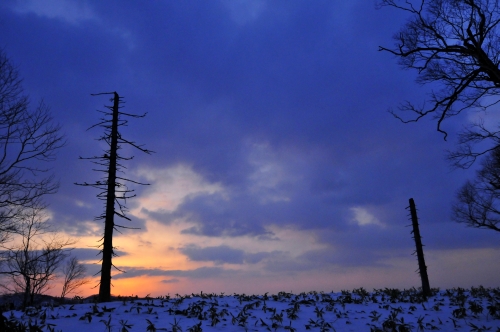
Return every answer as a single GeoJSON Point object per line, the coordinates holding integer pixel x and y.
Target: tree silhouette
{"type": "Point", "coordinates": [31, 265]}
{"type": "Point", "coordinates": [74, 276]}
{"type": "Point", "coordinates": [28, 139]}
{"type": "Point", "coordinates": [113, 188]}
{"type": "Point", "coordinates": [478, 201]}
{"type": "Point", "coordinates": [419, 250]}
{"type": "Point", "coordinates": [456, 44]}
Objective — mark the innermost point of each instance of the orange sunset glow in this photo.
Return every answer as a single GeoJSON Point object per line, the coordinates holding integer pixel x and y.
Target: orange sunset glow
{"type": "Point", "coordinates": [247, 146]}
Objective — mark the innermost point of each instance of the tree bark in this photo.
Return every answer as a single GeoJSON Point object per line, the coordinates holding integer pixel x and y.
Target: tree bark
{"type": "Point", "coordinates": [107, 249]}
{"type": "Point", "coordinates": [422, 268]}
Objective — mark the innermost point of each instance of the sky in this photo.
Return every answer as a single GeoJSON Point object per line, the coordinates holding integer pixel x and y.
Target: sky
{"type": "Point", "coordinates": [277, 165]}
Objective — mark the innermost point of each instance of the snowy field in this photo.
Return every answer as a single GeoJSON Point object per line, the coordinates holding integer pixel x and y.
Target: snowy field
{"type": "Point", "coordinates": [477, 309]}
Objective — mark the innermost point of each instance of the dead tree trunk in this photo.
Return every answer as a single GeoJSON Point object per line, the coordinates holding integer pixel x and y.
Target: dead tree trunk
{"type": "Point", "coordinates": [422, 268]}
{"type": "Point", "coordinates": [113, 188]}
{"type": "Point", "coordinates": [109, 224]}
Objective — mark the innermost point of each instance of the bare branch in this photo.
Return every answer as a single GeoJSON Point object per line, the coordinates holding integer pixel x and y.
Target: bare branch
{"type": "Point", "coordinates": [28, 140]}
{"type": "Point", "coordinates": [452, 42]}
{"type": "Point", "coordinates": [478, 201]}
{"type": "Point", "coordinates": [31, 267]}
{"type": "Point", "coordinates": [74, 276]}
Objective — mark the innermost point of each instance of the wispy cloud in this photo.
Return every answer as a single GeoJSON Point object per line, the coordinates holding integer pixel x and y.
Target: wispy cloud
{"type": "Point", "coordinates": [72, 12]}
{"type": "Point", "coordinates": [364, 218]}
{"type": "Point", "coordinates": [276, 160]}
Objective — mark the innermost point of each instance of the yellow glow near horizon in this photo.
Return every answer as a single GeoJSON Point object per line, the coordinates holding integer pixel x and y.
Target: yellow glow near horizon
{"type": "Point", "coordinates": [158, 246]}
{"type": "Point", "coordinates": [396, 273]}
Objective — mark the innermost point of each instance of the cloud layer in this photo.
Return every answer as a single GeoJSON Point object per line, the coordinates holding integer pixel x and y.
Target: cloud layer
{"type": "Point", "coordinates": [274, 148]}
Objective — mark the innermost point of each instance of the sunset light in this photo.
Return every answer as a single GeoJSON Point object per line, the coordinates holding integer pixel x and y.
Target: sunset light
{"type": "Point", "coordinates": [260, 146]}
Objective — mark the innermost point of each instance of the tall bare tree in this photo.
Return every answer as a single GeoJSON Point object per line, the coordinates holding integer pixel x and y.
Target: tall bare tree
{"type": "Point", "coordinates": [28, 139]}
{"type": "Point", "coordinates": [456, 44]}
{"type": "Point", "coordinates": [478, 201]}
{"type": "Point", "coordinates": [113, 188]}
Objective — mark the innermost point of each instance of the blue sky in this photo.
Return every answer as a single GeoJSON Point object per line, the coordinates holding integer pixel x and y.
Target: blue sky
{"type": "Point", "coordinates": [277, 163]}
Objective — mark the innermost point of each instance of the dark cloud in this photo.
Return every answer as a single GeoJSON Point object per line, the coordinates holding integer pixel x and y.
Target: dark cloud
{"type": "Point", "coordinates": [304, 79]}
{"type": "Point", "coordinates": [331, 259]}
{"type": "Point", "coordinates": [284, 262]}
{"type": "Point", "coordinates": [219, 255]}
{"type": "Point", "coordinates": [162, 216]}
{"type": "Point", "coordinates": [340, 257]}
{"type": "Point", "coordinates": [170, 281]}
{"type": "Point", "coordinates": [90, 254]}
{"type": "Point", "coordinates": [254, 258]}
{"type": "Point", "coordinates": [78, 220]}
{"type": "Point", "coordinates": [249, 211]}
{"type": "Point", "coordinates": [222, 255]}
{"type": "Point", "coordinates": [92, 270]}
{"type": "Point", "coordinates": [86, 254]}
{"type": "Point", "coordinates": [199, 273]}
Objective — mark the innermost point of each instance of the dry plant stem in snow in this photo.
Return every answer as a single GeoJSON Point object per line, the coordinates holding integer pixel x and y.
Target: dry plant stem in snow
{"type": "Point", "coordinates": [460, 310]}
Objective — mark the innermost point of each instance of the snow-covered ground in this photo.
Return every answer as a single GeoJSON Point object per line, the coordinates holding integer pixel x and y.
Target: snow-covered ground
{"type": "Point", "coordinates": [476, 309]}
